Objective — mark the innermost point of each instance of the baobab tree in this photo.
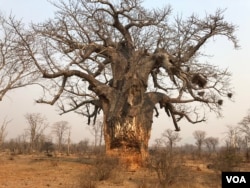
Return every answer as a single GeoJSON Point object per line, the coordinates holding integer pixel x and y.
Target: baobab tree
{"type": "Point", "coordinates": [123, 59]}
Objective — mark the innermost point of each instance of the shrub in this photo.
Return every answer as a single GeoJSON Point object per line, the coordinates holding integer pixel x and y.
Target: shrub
{"type": "Point", "coordinates": [87, 181]}
{"type": "Point", "coordinates": [167, 166]}
{"type": "Point", "coordinates": [103, 167]}
{"type": "Point", "coordinates": [227, 160]}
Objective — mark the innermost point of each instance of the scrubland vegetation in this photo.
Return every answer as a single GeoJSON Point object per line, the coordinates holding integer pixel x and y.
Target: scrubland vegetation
{"type": "Point", "coordinates": [43, 163]}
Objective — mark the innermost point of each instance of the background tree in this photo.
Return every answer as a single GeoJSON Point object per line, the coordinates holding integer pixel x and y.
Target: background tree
{"type": "Point", "coordinates": [200, 139]}
{"type": "Point", "coordinates": [69, 140]}
{"type": "Point", "coordinates": [244, 128]}
{"type": "Point", "coordinates": [3, 131]}
{"type": "Point", "coordinates": [48, 147]}
{"type": "Point", "coordinates": [170, 138]}
{"type": "Point", "coordinates": [36, 126]}
{"type": "Point", "coordinates": [61, 129]}
{"type": "Point", "coordinates": [122, 59]}
{"type": "Point", "coordinates": [211, 143]}
{"type": "Point", "coordinates": [229, 157]}
{"type": "Point", "coordinates": [19, 145]}
{"type": "Point", "coordinates": [232, 138]}
{"type": "Point", "coordinates": [97, 131]}
{"type": "Point", "coordinates": [83, 146]}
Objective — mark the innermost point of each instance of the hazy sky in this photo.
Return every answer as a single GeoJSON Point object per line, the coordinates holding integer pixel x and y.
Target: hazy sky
{"type": "Point", "coordinates": [19, 102]}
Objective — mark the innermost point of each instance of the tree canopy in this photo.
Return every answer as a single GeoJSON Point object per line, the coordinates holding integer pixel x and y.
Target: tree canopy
{"type": "Point", "coordinates": [96, 50]}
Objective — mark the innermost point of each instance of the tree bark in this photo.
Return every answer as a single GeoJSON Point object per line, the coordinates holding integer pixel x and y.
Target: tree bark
{"type": "Point", "coordinates": [127, 127]}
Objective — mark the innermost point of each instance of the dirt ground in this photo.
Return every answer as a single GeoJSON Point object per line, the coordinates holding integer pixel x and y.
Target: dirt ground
{"type": "Point", "coordinates": [33, 171]}
{"type": "Point", "coordinates": [29, 171]}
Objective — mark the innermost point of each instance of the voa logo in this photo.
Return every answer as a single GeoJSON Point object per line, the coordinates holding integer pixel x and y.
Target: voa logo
{"type": "Point", "coordinates": [236, 179]}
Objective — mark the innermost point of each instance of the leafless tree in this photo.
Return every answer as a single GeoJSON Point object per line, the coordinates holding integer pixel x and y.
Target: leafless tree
{"type": "Point", "coordinates": [19, 145]}
{"type": "Point", "coordinates": [200, 139]}
{"type": "Point", "coordinates": [97, 131]}
{"type": "Point", "coordinates": [158, 143]}
{"type": "Point", "coordinates": [61, 129]}
{"type": "Point", "coordinates": [37, 124]}
{"type": "Point", "coordinates": [245, 127]}
{"type": "Point", "coordinates": [170, 138]}
{"type": "Point", "coordinates": [16, 67]}
{"type": "Point", "coordinates": [211, 143]}
{"type": "Point", "coordinates": [232, 138]}
{"type": "Point", "coordinates": [3, 131]}
{"type": "Point", "coordinates": [69, 140]}
{"type": "Point", "coordinates": [122, 59]}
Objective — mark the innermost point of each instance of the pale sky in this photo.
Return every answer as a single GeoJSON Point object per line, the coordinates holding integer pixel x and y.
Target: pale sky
{"type": "Point", "coordinates": [19, 102]}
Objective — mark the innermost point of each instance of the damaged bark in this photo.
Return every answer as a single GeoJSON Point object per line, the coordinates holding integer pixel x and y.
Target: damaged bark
{"type": "Point", "coordinates": [127, 134]}
{"type": "Point", "coordinates": [128, 114]}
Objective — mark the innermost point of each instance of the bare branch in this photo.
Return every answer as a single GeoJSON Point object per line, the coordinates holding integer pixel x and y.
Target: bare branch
{"type": "Point", "coordinates": [16, 69]}
{"type": "Point", "coordinates": [120, 58]}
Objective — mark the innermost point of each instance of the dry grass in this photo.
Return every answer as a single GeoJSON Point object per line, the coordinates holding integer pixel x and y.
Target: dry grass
{"type": "Point", "coordinates": [26, 171]}
{"type": "Point", "coordinates": [32, 171]}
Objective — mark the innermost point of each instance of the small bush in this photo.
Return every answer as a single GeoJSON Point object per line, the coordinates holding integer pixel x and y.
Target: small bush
{"type": "Point", "coordinates": [86, 181]}
{"type": "Point", "coordinates": [103, 167]}
{"type": "Point", "coordinates": [167, 166]}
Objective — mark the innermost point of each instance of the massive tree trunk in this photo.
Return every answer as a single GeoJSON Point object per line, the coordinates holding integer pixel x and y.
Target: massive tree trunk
{"type": "Point", "coordinates": [128, 112]}
{"type": "Point", "coordinates": [127, 132]}
{"type": "Point", "coordinates": [126, 104]}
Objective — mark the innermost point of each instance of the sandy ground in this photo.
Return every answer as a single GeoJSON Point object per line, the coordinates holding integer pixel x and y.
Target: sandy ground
{"type": "Point", "coordinates": [31, 172]}
{"type": "Point", "coordinates": [34, 171]}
